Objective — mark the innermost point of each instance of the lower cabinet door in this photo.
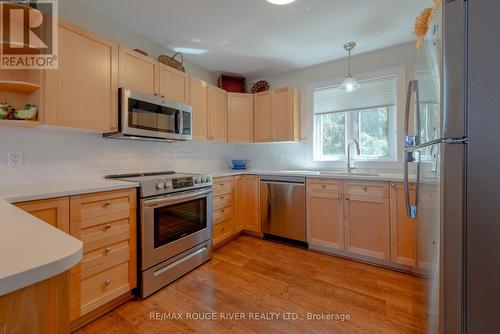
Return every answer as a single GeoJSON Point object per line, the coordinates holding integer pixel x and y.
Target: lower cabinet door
{"type": "Point", "coordinates": [252, 222]}
{"type": "Point", "coordinates": [403, 229]}
{"type": "Point", "coordinates": [367, 227]}
{"type": "Point", "coordinates": [325, 215]}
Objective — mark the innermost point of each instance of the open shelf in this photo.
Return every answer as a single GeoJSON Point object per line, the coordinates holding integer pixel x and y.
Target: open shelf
{"type": "Point", "coordinates": [15, 122]}
{"type": "Point", "coordinates": [22, 87]}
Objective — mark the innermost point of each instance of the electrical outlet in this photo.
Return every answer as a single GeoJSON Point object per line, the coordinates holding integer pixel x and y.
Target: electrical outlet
{"type": "Point", "coordinates": [15, 159]}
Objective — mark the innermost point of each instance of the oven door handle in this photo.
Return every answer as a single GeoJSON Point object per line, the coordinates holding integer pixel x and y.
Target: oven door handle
{"type": "Point", "coordinates": [176, 198]}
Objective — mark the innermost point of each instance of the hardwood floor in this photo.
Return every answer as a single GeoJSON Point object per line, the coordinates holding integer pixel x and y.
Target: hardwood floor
{"type": "Point", "coordinates": [256, 277]}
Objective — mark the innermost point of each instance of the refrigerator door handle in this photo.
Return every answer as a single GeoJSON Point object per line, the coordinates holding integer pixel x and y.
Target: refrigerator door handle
{"type": "Point", "coordinates": [413, 140]}
{"type": "Point", "coordinates": [411, 208]}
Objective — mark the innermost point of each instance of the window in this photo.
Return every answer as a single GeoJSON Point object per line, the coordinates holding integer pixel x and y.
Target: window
{"type": "Point", "coordinates": [367, 115]}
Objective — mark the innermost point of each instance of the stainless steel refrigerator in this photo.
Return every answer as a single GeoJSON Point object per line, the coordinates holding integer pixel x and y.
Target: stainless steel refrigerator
{"type": "Point", "coordinates": [451, 128]}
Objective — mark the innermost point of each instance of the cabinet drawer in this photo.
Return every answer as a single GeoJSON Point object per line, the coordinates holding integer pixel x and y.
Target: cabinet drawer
{"type": "Point", "coordinates": [373, 189]}
{"type": "Point", "coordinates": [222, 230]}
{"type": "Point", "coordinates": [101, 204]}
{"type": "Point", "coordinates": [222, 214]}
{"type": "Point", "coordinates": [223, 185]}
{"type": "Point", "coordinates": [222, 201]}
{"type": "Point", "coordinates": [324, 186]}
{"type": "Point", "coordinates": [105, 235]}
{"type": "Point", "coordinates": [99, 289]}
{"type": "Point", "coordinates": [104, 258]}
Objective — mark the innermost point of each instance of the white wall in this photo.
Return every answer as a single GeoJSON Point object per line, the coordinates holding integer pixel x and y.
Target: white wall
{"type": "Point", "coordinates": [73, 12]}
{"type": "Point", "coordinates": [301, 155]}
{"type": "Point", "coordinates": [61, 154]}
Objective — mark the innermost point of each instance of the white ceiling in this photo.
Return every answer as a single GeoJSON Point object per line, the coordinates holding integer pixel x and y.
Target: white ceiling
{"type": "Point", "coordinates": [253, 37]}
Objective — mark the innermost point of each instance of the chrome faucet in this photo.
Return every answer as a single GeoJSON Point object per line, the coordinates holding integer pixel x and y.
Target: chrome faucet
{"type": "Point", "coordinates": [355, 142]}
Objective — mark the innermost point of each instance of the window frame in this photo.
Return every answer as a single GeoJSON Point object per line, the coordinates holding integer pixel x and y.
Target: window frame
{"type": "Point", "coordinates": [393, 160]}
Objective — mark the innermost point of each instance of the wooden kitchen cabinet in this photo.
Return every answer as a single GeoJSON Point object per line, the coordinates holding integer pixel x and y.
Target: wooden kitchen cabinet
{"type": "Point", "coordinates": [252, 220]}
{"type": "Point", "coordinates": [198, 92]}
{"type": "Point", "coordinates": [105, 222]}
{"type": "Point", "coordinates": [246, 203]}
{"type": "Point", "coordinates": [239, 118]}
{"type": "Point", "coordinates": [138, 72]}
{"type": "Point", "coordinates": [285, 114]}
{"type": "Point", "coordinates": [54, 211]}
{"type": "Point", "coordinates": [217, 114]}
{"type": "Point", "coordinates": [325, 214]}
{"type": "Point", "coordinates": [262, 120]}
{"type": "Point", "coordinates": [366, 217]}
{"type": "Point", "coordinates": [40, 308]}
{"type": "Point", "coordinates": [83, 91]}
{"type": "Point", "coordinates": [174, 84]}
{"type": "Point", "coordinates": [222, 209]}
{"type": "Point", "coordinates": [403, 229]}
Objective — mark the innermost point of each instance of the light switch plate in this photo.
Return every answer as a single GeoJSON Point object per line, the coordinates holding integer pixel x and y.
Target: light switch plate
{"type": "Point", "coordinates": [15, 159]}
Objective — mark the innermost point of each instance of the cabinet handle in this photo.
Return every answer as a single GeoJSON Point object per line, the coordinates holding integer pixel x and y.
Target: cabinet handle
{"type": "Point", "coordinates": [340, 197]}
{"type": "Point", "coordinates": [222, 229]}
{"type": "Point", "coordinates": [365, 188]}
{"type": "Point", "coordinates": [107, 250]}
{"type": "Point", "coordinates": [163, 96]}
{"type": "Point", "coordinates": [107, 227]}
{"type": "Point", "coordinates": [107, 204]}
{"type": "Point", "coordinates": [393, 185]}
{"type": "Point", "coordinates": [222, 211]}
{"type": "Point", "coordinates": [222, 197]}
{"type": "Point", "coordinates": [323, 186]}
{"type": "Point", "coordinates": [347, 198]}
{"type": "Point", "coordinates": [108, 282]}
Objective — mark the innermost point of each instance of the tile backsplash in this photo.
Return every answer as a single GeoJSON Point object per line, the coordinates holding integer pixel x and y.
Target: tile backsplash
{"type": "Point", "coordinates": [53, 154]}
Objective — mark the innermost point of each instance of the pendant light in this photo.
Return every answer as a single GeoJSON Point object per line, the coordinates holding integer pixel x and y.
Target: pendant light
{"type": "Point", "coordinates": [350, 84]}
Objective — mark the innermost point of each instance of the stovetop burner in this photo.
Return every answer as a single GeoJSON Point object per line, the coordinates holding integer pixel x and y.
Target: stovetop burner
{"type": "Point", "coordinates": [164, 182]}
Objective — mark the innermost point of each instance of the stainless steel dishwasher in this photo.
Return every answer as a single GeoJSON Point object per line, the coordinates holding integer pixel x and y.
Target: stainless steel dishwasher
{"type": "Point", "coordinates": [283, 209]}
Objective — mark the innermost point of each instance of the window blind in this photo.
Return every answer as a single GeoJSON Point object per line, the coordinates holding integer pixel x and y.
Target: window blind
{"type": "Point", "coordinates": [380, 92]}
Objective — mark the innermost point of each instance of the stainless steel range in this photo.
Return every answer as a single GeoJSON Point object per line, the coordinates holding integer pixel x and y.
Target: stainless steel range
{"type": "Point", "coordinates": [175, 225]}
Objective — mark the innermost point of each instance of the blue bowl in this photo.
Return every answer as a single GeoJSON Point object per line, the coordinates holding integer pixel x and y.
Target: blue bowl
{"type": "Point", "coordinates": [239, 163]}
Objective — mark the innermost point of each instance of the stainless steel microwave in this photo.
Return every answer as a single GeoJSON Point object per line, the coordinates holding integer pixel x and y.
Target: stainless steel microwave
{"type": "Point", "coordinates": [150, 117]}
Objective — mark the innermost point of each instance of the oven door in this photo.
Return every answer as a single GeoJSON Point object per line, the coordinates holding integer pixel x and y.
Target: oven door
{"type": "Point", "coordinates": [172, 224]}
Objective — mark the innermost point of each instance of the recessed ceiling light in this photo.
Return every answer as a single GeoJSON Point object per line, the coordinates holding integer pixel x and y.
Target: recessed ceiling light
{"type": "Point", "coordinates": [191, 51]}
{"type": "Point", "coordinates": [280, 2]}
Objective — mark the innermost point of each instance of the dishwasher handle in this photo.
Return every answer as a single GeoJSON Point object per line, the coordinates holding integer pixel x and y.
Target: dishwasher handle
{"type": "Point", "coordinates": [285, 183]}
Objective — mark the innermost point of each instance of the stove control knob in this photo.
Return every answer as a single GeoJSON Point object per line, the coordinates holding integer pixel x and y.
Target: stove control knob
{"type": "Point", "coordinates": [160, 185]}
{"type": "Point", "coordinates": [197, 180]}
{"type": "Point", "coordinates": [207, 179]}
{"type": "Point", "coordinates": [167, 185]}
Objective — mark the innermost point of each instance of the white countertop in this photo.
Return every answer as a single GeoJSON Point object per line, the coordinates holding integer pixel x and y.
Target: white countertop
{"type": "Point", "coordinates": [391, 177]}
{"type": "Point", "coordinates": [30, 249]}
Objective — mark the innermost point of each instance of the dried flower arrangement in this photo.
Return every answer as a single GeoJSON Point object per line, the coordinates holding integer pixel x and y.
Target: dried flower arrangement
{"type": "Point", "coordinates": [423, 21]}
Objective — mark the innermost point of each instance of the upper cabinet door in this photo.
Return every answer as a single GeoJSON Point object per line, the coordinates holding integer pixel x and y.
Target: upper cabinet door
{"type": "Point", "coordinates": [239, 118]}
{"type": "Point", "coordinates": [198, 92]}
{"type": "Point", "coordinates": [262, 117]}
{"type": "Point", "coordinates": [217, 114]}
{"type": "Point", "coordinates": [83, 92]}
{"type": "Point", "coordinates": [174, 84]}
{"type": "Point", "coordinates": [285, 115]}
{"type": "Point", "coordinates": [138, 72]}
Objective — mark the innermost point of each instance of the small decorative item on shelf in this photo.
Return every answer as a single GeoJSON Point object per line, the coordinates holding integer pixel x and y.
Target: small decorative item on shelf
{"type": "Point", "coordinates": [6, 111]}
{"type": "Point", "coordinates": [233, 84]}
{"type": "Point", "coordinates": [28, 113]}
{"type": "Point", "coordinates": [260, 86]}
{"type": "Point", "coordinates": [172, 62]}
{"type": "Point", "coordinates": [239, 164]}
{"type": "Point", "coordinates": [144, 53]}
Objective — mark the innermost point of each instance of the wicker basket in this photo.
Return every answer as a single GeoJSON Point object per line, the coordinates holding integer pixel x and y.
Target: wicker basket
{"type": "Point", "coordinates": [172, 62]}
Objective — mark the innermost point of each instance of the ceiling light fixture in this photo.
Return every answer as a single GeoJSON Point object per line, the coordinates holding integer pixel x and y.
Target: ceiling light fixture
{"type": "Point", "coordinates": [280, 2]}
{"type": "Point", "coordinates": [350, 84]}
{"type": "Point", "coordinates": [191, 51]}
